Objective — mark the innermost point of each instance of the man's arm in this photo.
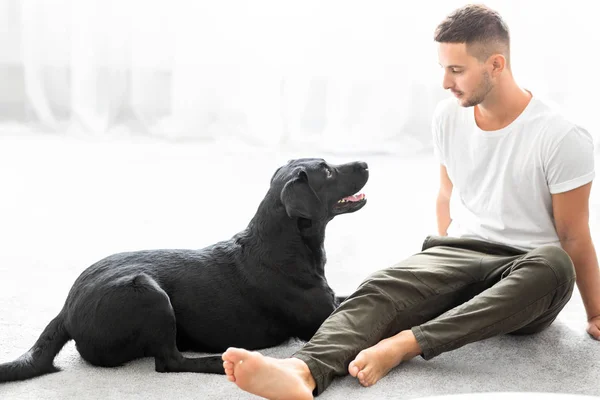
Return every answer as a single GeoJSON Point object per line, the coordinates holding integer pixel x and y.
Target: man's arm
{"type": "Point", "coordinates": [443, 202]}
{"type": "Point", "coordinates": [571, 217]}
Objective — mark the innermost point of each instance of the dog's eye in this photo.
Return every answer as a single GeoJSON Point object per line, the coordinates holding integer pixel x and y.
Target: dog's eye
{"type": "Point", "coordinates": [328, 173]}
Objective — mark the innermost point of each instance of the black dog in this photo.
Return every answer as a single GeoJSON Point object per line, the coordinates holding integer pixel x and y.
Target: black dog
{"type": "Point", "coordinates": [263, 286]}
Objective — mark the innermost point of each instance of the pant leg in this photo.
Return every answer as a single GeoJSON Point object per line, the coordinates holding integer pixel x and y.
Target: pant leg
{"type": "Point", "coordinates": [445, 274]}
{"type": "Point", "coordinates": [532, 290]}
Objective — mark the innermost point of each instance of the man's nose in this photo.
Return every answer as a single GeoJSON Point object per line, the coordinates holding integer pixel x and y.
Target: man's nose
{"type": "Point", "coordinates": [447, 82]}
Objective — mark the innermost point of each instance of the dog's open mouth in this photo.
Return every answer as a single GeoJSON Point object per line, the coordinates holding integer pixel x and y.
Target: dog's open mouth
{"type": "Point", "coordinates": [350, 203]}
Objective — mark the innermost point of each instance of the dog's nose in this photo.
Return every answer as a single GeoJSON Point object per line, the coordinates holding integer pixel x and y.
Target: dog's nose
{"type": "Point", "coordinates": [362, 165]}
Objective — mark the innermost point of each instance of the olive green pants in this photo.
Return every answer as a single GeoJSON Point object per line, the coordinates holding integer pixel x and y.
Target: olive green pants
{"type": "Point", "coordinates": [454, 292]}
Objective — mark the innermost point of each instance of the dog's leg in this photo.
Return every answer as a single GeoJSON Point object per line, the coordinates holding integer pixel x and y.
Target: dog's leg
{"type": "Point", "coordinates": [174, 361]}
{"type": "Point", "coordinates": [161, 341]}
{"type": "Point", "coordinates": [135, 319]}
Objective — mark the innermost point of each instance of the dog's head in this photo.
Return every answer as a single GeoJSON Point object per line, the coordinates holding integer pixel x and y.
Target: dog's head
{"type": "Point", "coordinates": [311, 188]}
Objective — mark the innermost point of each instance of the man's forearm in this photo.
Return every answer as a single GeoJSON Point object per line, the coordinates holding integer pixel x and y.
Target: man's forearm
{"type": "Point", "coordinates": [443, 215]}
{"type": "Point", "coordinates": [585, 260]}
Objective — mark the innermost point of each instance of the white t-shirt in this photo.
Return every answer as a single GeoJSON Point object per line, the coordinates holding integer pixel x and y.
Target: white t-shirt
{"type": "Point", "coordinates": [503, 179]}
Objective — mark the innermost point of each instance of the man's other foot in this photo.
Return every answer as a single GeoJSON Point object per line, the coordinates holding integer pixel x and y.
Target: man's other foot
{"type": "Point", "coordinates": [372, 364]}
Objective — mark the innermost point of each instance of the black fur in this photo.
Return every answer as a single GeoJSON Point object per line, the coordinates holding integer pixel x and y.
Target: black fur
{"type": "Point", "coordinates": [261, 287]}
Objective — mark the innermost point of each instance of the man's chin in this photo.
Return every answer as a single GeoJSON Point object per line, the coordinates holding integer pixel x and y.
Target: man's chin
{"type": "Point", "coordinates": [466, 103]}
{"type": "Point", "coordinates": [463, 102]}
{"type": "Point", "coordinates": [460, 98]}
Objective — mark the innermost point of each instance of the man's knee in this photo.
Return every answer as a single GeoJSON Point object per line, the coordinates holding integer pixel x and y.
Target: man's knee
{"type": "Point", "coordinates": [397, 286]}
{"type": "Point", "coordinates": [557, 260]}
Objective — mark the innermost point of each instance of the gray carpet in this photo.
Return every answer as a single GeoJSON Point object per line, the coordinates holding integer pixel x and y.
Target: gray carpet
{"type": "Point", "coordinates": [65, 203]}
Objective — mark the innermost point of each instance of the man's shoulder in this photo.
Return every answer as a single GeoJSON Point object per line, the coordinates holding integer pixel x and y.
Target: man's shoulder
{"type": "Point", "coordinates": [448, 113]}
{"type": "Point", "coordinates": [554, 125]}
{"type": "Point", "coordinates": [445, 108]}
{"type": "Point", "coordinates": [551, 115]}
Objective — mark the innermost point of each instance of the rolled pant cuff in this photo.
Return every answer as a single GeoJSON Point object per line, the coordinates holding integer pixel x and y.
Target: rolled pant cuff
{"type": "Point", "coordinates": [426, 351]}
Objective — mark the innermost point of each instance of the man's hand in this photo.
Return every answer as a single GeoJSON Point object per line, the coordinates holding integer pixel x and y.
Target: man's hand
{"type": "Point", "coordinates": [594, 327]}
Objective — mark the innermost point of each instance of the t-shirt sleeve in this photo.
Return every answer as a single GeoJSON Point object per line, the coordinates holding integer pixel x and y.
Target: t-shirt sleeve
{"type": "Point", "coordinates": [571, 164]}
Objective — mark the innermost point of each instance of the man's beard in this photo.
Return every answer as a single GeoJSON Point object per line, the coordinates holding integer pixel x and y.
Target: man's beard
{"type": "Point", "coordinates": [483, 90]}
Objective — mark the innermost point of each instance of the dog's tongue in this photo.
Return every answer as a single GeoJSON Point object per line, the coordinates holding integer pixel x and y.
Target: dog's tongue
{"type": "Point", "coordinates": [355, 197]}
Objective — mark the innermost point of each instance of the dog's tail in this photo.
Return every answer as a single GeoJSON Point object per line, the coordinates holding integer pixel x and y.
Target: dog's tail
{"type": "Point", "coordinates": [39, 359]}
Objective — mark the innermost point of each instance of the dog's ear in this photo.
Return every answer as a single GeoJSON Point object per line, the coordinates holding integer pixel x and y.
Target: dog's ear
{"type": "Point", "coordinates": [299, 199]}
{"type": "Point", "coordinates": [275, 174]}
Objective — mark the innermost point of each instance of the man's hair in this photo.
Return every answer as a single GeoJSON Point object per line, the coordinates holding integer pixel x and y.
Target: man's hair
{"type": "Point", "coordinates": [482, 30]}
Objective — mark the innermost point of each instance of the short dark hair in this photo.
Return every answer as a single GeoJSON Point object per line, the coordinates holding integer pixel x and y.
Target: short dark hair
{"type": "Point", "coordinates": [482, 29]}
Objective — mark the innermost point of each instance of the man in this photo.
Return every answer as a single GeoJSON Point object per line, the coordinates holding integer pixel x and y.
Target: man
{"type": "Point", "coordinates": [513, 232]}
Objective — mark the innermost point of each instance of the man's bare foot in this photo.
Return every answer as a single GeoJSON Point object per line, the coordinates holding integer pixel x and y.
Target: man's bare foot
{"type": "Point", "coordinates": [372, 364]}
{"type": "Point", "coordinates": [272, 378]}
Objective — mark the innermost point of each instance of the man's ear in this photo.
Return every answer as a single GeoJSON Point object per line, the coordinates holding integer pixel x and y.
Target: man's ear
{"type": "Point", "coordinates": [498, 62]}
{"type": "Point", "coordinates": [299, 199]}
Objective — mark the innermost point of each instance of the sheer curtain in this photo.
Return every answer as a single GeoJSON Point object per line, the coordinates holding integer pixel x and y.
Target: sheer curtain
{"type": "Point", "coordinates": [334, 75]}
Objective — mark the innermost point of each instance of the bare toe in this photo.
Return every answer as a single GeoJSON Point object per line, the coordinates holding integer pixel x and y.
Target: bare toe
{"type": "Point", "coordinates": [361, 377]}
{"type": "Point", "coordinates": [357, 365]}
{"type": "Point", "coordinates": [234, 355]}
{"type": "Point", "coordinates": [228, 368]}
{"type": "Point", "coordinates": [374, 363]}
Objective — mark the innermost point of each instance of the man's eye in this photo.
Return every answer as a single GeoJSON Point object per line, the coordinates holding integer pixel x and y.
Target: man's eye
{"type": "Point", "coordinates": [456, 71]}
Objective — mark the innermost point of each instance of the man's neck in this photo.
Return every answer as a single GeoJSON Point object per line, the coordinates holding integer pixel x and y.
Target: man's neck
{"type": "Point", "coordinates": [502, 106]}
